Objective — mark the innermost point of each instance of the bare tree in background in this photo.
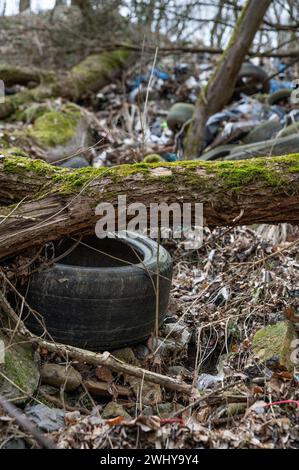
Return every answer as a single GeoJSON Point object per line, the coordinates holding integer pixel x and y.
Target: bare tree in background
{"type": "Point", "coordinates": [221, 86]}
{"type": "Point", "coordinates": [24, 5]}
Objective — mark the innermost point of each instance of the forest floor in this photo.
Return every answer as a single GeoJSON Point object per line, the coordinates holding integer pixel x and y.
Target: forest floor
{"type": "Point", "coordinates": [241, 281]}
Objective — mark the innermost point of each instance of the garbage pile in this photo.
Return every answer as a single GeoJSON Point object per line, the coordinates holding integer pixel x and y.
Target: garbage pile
{"type": "Point", "coordinates": [261, 120]}
{"type": "Point", "coordinates": [146, 115]}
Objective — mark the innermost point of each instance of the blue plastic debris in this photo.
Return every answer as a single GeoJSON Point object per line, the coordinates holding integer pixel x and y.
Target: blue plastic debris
{"type": "Point", "coordinates": [169, 157]}
{"type": "Point", "coordinates": [276, 85]}
{"type": "Point", "coordinates": [144, 78]}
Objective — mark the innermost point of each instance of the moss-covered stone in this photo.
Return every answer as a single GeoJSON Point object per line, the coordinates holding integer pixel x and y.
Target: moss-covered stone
{"type": "Point", "coordinates": [113, 410]}
{"type": "Point", "coordinates": [153, 158]}
{"type": "Point", "coordinates": [19, 374]}
{"type": "Point", "coordinates": [274, 343]}
{"type": "Point", "coordinates": [126, 355]}
{"type": "Point", "coordinates": [31, 113]}
{"type": "Point", "coordinates": [178, 114]}
{"type": "Point", "coordinates": [54, 128]}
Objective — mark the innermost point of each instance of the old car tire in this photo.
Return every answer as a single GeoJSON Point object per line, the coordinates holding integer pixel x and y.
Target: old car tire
{"type": "Point", "coordinates": [264, 131]}
{"type": "Point", "coordinates": [252, 79]}
{"type": "Point", "coordinates": [283, 94]}
{"type": "Point", "coordinates": [101, 300]}
{"type": "Point", "coordinates": [217, 153]}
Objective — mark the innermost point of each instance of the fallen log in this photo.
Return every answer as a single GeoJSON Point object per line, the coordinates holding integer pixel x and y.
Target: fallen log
{"type": "Point", "coordinates": [41, 203]}
{"type": "Point", "coordinates": [18, 75]}
{"type": "Point", "coordinates": [88, 76]}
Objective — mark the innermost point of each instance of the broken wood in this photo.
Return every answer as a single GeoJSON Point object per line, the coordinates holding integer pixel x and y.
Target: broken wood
{"type": "Point", "coordinates": [41, 203]}
{"type": "Point", "coordinates": [104, 389]}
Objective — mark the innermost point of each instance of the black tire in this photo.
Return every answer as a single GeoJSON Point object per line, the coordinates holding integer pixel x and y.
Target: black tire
{"type": "Point", "coordinates": [94, 301]}
{"type": "Point", "coordinates": [217, 153]}
{"type": "Point", "coordinates": [279, 95]}
{"type": "Point", "coordinates": [264, 131]}
{"type": "Point", "coordinates": [252, 79]}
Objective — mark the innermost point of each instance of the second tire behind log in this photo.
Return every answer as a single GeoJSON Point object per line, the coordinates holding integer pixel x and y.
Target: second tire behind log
{"type": "Point", "coordinates": [102, 295]}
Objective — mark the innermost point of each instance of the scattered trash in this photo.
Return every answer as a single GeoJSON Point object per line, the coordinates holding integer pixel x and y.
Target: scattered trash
{"type": "Point", "coordinates": [47, 419]}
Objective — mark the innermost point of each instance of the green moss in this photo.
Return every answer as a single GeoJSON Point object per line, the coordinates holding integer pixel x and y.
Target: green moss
{"type": "Point", "coordinates": [237, 175]}
{"type": "Point", "coordinates": [19, 368]}
{"type": "Point", "coordinates": [234, 409]}
{"type": "Point", "coordinates": [31, 113]}
{"type": "Point", "coordinates": [275, 341]}
{"type": "Point", "coordinates": [228, 175]}
{"type": "Point", "coordinates": [88, 73]}
{"type": "Point", "coordinates": [153, 158]}
{"type": "Point", "coordinates": [56, 127]}
{"type": "Point", "coordinates": [13, 151]}
{"type": "Point", "coordinates": [22, 166]}
{"type": "Point", "coordinates": [16, 103]}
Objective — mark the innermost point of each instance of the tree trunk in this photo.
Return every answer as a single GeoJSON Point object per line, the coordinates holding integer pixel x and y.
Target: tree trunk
{"type": "Point", "coordinates": [221, 86]}
{"type": "Point", "coordinates": [24, 5]}
{"type": "Point", "coordinates": [41, 203]}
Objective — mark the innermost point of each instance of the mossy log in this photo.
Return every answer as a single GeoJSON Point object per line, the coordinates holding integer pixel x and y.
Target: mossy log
{"type": "Point", "coordinates": [18, 75]}
{"type": "Point", "coordinates": [41, 203]}
{"type": "Point", "coordinates": [88, 76]}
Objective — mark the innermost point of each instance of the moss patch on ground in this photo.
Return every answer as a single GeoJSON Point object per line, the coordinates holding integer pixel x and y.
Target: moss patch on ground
{"type": "Point", "coordinates": [275, 341]}
{"type": "Point", "coordinates": [20, 375]}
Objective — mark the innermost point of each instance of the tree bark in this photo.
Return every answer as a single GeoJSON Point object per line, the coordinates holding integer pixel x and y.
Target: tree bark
{"type": "Point", "coordinates": [24, 5]}
{"type": "Point", "coordinates": [221, 86]}
{"type": "Point", "coordinates": [41, 203]}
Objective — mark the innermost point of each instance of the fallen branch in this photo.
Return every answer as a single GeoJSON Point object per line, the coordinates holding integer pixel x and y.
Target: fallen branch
{"type": "Point", "coordinates": [82, 355]}
{"type": "Point", "coordinates": [196, 50]}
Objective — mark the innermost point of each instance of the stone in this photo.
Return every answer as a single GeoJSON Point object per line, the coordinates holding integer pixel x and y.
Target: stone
{"type": "Point", "coordinates": [61, 376]}
{"type": "Point", "coordinates": [47, 419]}
{"type": "Point", "coordinates": [166, 347]}
{"type": "Point", "coordinates": [164, 409]}
{"type": "Point", "coordinates": [178, 114]}
{"type": "Point", "coordinates": [273, 345]}
{"type": "Point", "coordinates": [75, 162]}
{"type": "Point", "coordinates": [126, 355]}
{"type": "Point", "coordinates": [58, 131]}
{"type": "Point", "coordinates": [141, 351]}
{"type": "Point", "coordinates": [14, 443]}
{"type": "Point", "coordinates": [20, 377]}
{"type": "Point", "coordinates": [150, 393]}
{"type": "Point", "coordinates": [114, 409]}
{"type": "Point", "coordinates": [178, 370]}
